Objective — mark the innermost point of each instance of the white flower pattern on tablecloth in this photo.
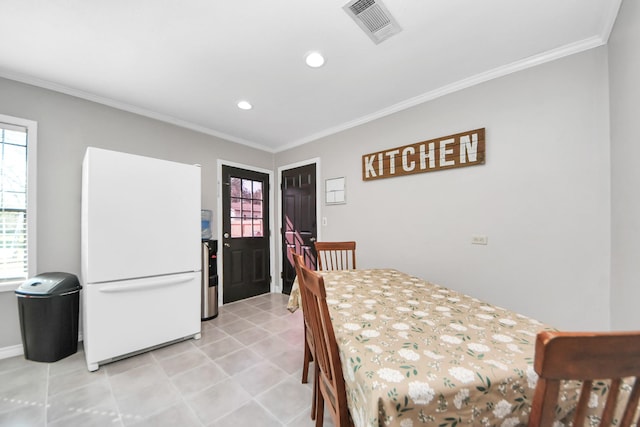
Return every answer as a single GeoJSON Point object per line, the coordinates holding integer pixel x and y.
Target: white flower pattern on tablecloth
{"type": "Point", "coordinates": [510, 422]}
{"type": "Point", "coordinates": [400, 326]}
{"type": "Point", "coordinates": [350, 371]}
{"type": "Point", "coordinates": [407, 422]}
{"type": "Point", "coordinates": [463, 375]}
{"type": "Point", "coordinates": [409, 354]}
{"type": "Point", "coordinates": [532, 377]}
{"type": "Point", "coordinates": [593, 400]}
{"type": "Point", "coordinates": [390, 375]}
{"type": "Point", "coordinates": [421, 393]}
{"type": "Point", "coordinates": [502, 338]}
{"type": "Point", "coordinates": [478, 348]}
{"type": "Point", "coordinates": [502, 409]}
{"type": "Point", "coordinates": [461, 397]}
{"type": "Point", "coordinates": [514, 348]}
{"type": "Point", "coordinates": [497, 364]}
{"type": "Point", "coordinates": [351, 326]}
{"type": "Point", "coordinates": [433, 355]}
{"type": "Point", "coordinates": [451, 339]}
{"type": "Point", "coordinates": [374, 348]}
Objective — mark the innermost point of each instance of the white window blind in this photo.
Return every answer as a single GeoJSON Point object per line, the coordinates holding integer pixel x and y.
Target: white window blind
{"type": "Point", "coordinates": [13, 203]}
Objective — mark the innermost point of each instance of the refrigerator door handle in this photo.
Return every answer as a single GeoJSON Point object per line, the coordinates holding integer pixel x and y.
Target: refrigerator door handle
{"type": "Point", "coordinates": [145, 284]}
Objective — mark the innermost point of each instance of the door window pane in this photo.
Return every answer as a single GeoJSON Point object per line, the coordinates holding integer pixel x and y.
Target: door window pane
{"type": "Point", "coordinates": [247, 212]}
{"type": "Point", "coordinates": [246, 208]}
{"type": "Point", "coordinates": [257, 190]}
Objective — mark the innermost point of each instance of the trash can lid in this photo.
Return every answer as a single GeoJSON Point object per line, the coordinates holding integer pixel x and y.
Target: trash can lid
{"type": "Point", "coordinates": [54, 283]}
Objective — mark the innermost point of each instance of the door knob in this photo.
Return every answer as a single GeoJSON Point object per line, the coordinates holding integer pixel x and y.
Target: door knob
{"type": "Point", "coordinates": [226, 245]}
{"type": "Point", "coordinates": [313, 239]}
{"type": "Point", "coordinates": [226, 235]}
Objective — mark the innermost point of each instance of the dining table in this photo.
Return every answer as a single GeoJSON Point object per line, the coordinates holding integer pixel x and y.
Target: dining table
{"type": "Point", "coordinates": [415, 353]}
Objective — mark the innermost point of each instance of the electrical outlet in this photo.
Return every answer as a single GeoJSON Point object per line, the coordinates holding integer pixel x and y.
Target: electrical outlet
{"type": "Point", "coordinates": [479, 239]}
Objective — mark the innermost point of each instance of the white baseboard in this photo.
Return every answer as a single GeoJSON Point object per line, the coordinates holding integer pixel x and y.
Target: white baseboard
{"type": "Point", "coordinates": [11, 351]}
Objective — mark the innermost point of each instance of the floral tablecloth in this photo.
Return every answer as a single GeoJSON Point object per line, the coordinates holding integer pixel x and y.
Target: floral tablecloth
{"type": "Point", "coordinates": [418, 354]}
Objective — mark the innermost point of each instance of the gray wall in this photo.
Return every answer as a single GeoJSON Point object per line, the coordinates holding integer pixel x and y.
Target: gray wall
{"type": "Point", "coordinates": [542, 197]}
{"type": "Point", "coordinates": [624, 69]}
{"type": "Point", "coordinates": [66, 126]}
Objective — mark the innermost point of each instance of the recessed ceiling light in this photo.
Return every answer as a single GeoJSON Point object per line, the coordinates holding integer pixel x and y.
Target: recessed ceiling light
{"type": "Point", "coordinates": [245, 105]}
{"type": "Point", "coordinates": [314, 59]}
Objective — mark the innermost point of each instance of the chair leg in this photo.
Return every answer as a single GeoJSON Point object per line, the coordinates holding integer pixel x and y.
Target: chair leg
{"type": "Point", "coordinates": [306, 360]}
{"type": "Point", "coordinates": [320, 408]}
{"type": "Point", "coordinates": [314, 398]}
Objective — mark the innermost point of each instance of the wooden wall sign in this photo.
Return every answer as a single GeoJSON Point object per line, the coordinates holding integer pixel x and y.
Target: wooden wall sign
{"type": "Point", "coordinates": [448, 152]}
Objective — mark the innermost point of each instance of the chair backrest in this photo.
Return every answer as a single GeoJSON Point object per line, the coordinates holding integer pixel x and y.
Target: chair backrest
{"type": "Point", "coordinates": [336, 255]}
{"type": "Point", "coordinates": [331, 380]}
{"type": "Point", "coordinates": [586, 357]}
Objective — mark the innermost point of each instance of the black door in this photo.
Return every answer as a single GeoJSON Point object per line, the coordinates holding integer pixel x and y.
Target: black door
{"type": "Point", "coordinates": [299, 225]}
{"type": "Point", "coordinates": [245, 234]}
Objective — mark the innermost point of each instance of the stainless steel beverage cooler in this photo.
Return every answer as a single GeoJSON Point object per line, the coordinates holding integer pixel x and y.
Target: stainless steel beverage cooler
{"type": "Point", "coordinates": [209, 304]}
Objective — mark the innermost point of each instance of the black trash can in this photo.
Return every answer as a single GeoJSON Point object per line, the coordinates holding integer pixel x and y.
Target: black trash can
{"type": "Point", "coordinates": [48, 306]}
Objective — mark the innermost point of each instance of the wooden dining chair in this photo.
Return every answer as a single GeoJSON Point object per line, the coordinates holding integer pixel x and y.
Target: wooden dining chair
{"type": "Point", "coordinates": [309, 345]}
{"type": "Point", "coordinates": [587, 357]}
{"type": "Point", "coordinates": [331, 386]}
{"type": "Point", "coordinates": [336, 255]}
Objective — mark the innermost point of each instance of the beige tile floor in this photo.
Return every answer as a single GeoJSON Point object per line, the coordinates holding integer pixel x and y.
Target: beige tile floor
{"type": "Point", "coordinates": [244, 371]}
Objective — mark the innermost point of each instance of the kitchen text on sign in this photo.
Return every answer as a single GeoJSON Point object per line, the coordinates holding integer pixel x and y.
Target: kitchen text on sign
{"type": "Point", "coordinates": [453, 151]}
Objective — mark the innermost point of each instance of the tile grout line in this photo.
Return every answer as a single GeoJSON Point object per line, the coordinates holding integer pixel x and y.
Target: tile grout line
{"type": "Point", "coordinates": [175, 388]}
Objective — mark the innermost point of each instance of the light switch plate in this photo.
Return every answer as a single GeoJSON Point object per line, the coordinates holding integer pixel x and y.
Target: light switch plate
{"type": "Point", "coordinates": [479, 239]}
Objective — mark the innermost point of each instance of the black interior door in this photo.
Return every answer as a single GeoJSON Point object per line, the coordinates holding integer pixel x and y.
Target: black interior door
{"type": "Point", "coordinates": [299, 222]}
{"type": "Point", "coordinates": [245, 234]}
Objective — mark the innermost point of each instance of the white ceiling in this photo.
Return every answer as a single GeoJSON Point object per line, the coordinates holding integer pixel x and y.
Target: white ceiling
{"type": "Point", "coordinates": [190, 62]}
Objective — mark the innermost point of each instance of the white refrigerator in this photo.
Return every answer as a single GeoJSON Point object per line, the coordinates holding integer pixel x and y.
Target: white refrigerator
{"type": "Point", "coordinates": [140, 254]}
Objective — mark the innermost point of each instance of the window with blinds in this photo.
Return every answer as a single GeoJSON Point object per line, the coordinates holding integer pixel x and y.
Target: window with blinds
{"type": "Point", "coordinates": [13, 203]}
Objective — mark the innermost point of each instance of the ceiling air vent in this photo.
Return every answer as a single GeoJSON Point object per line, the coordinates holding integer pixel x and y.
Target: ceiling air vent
{"type": "Point", "coordinates": [374, 19]}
